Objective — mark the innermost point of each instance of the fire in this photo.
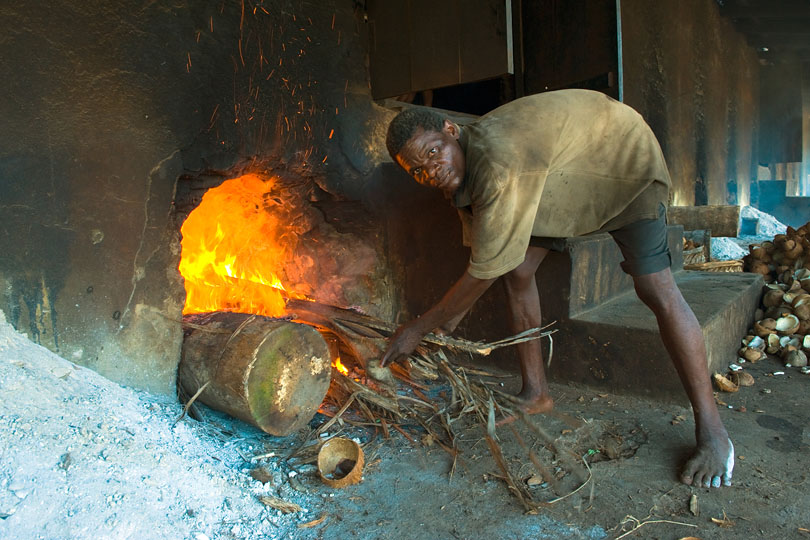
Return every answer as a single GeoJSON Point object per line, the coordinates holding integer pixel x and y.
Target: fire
{"type": "Point", "coordinates": [234, 249]}
{"type": "Point", "coordinates": [239, 249]}
{"type": "Point", "coordinates": [340, 367]}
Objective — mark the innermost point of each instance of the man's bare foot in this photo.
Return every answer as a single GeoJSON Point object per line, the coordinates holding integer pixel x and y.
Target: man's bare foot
{"type": "Point", "coordinates": [711, 464]}
{"type": "Point", "coordinates": [536, 405]}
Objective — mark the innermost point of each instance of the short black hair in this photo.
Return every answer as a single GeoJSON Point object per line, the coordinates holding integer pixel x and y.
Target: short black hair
{"type": "Point", "coordinates": [406, 123]}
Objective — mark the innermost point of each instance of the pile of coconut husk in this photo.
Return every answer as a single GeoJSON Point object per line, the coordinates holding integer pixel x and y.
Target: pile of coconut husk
{"type": "Point", "coordinates": [779, 259]}
{"type": "Point", "coordinates": [782, 326]}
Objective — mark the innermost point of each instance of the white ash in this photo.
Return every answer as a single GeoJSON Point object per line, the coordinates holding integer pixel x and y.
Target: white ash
{"type": "Point", "coordinates": [769, 226]}
{"type": "Point", "coordinates": [82, 457]}
{"type": "Point", "coordinates": [726, 249]}
{"type": "Point", "coordinates": [729, 248]}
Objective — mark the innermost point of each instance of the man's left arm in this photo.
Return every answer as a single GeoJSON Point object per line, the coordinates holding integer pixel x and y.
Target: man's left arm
{"type": "Point", "coordinates": [455, 303]}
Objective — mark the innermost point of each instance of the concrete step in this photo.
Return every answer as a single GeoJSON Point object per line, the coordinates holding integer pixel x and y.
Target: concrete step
{"type": "Point", "coordinates": [616, 344]}
{"type": "Point", "coordinates": [586, 274]}
{"type": "Point", "coordinates": [606, 337]}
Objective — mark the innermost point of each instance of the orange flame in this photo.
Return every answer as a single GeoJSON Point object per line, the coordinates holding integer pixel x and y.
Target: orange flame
{"type": "Point", "coordinates": [340, 367]}
{"type": "Point", "coordinates": [232, 249]}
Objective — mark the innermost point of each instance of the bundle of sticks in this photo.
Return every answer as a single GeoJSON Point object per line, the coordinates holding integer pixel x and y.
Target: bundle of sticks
{"type": "Point", "coordinates": [402, 398]}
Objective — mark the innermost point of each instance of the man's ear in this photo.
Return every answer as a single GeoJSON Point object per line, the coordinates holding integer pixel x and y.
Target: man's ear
{"type": "Point", "coordinates": [450, 128]}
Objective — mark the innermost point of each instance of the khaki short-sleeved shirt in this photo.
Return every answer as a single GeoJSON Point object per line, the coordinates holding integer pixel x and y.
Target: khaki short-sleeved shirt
{"type": "Point", "coordinates": [557, 164]}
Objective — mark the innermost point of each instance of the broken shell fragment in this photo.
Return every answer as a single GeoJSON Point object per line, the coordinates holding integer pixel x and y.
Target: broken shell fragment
{"type": "Point", "coordinates": [790, 342]}
{"type": "Point", "coordinates": [800, 298]}
{"type": "Point", "coordinates": [788, 297]}
{"type": "Point", "coordinates": [754, 342]}
{"type": "Point", "coordinates": [752, 355]}
{"type": "Point", "coordinates": [723, 384]}
{"type": "Point", "coordinates": [340, 462]}
{"type": "Point", "coordinates": [765, 327]}
{"type": "Point", "coordinates": [758, 252]}
{"type": "Point", "coordinates": [777, 312]}
{"type": "Point", "coordinates": [773, 345]}
{"type": "Point", "coordinates": [801, 306]}
{"type": "Point", "coordinates": [787, 325]}
{"type": "Point", "coordinates": [793, 252]}
{"type": "Point", "coordinates": [796, 358]}
{"type": "Point", "coordinates": [741, 378]}
{"type": "Point", "coordinates": [772, 297]}
{"type": "Point", "coordinates": [795, 286]}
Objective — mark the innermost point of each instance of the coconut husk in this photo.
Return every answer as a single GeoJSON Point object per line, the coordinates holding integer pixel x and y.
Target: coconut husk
{"type": "Point", "coordinates": [741, 378]}
{"type": "Point", "coordinates": [723, 384]}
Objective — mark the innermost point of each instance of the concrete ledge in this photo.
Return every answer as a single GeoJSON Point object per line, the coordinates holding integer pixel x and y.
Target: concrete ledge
{"type": "Point", "coordinates": [596, 276]}
{"type": "Point", "coordinates": [617, 345]}
{"type": "Point", "coordinates": [722, 220]}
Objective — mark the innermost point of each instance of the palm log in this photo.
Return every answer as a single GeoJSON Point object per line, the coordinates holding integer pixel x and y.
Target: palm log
{"type": "Point", "coordinates": [268, 372]}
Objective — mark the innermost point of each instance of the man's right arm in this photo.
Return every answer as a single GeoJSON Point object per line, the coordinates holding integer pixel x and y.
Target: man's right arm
{"type": "Point", "coordinates": [451, 308]}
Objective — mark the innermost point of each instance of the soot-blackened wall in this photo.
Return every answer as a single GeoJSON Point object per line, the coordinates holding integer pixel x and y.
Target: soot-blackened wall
{"type": "Point", "coordinates": [106, 103]}
{"type": "Point", "coordinates": [695, 80]}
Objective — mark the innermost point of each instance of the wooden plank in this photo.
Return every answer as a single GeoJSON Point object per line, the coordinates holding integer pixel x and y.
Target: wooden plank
{"type": "Point", "coordinates": [722, 220]}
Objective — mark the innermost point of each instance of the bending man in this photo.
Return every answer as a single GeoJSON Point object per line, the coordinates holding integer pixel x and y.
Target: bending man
{"type": "Point", "coordinates": [537, 170]}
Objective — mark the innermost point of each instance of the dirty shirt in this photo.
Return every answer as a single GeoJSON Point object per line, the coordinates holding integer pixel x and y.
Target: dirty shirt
{"type": "Point", "coordinates": [557, 164]}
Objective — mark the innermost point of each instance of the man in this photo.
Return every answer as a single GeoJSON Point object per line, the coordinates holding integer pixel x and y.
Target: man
{"type": "Point", "coordinates": [546, 167]}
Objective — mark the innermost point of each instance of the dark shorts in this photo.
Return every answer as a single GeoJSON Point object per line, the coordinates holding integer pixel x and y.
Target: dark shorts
{"type": "Point", "coordinates": [643, 244]}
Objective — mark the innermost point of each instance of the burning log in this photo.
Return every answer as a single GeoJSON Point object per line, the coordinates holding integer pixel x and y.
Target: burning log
{"type": "Point", "coordinates": [271, 373]}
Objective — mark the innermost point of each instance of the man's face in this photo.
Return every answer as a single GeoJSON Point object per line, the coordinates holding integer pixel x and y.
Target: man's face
{"type": "Point", "coordinates": [434, 158]}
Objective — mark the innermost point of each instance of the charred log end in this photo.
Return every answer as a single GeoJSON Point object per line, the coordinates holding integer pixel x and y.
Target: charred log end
{"type": "Point", "coordinates": [289, 379]}
{"type": "Point", "coordinates": [270, 373]}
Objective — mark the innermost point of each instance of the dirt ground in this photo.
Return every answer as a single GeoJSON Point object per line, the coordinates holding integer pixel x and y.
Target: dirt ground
{"type": "Point", "coordinates": [81, 457]}
{"type": "Point", "coordinates": [410, 486]}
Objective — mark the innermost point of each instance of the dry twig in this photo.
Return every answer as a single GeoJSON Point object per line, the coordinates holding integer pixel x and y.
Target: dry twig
{"type": "Point", "coordinates": [281, 505]}
{"type": "Point", "coordinates": [191, 401]}
{"type": "Point", "coordinates": [637, 524]}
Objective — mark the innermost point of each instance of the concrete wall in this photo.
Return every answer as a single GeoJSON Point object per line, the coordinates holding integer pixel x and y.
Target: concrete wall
{"type": "Point", "coordinates": [780, 135]}
{"type": "Point", "coordinates": [106, 102]}
{"type": "Point", "coordinates": [804, 179]}
{"type": "Point", "coordinates": [769, 197]}
{"type": "Point", "coordinates": [695, 80]}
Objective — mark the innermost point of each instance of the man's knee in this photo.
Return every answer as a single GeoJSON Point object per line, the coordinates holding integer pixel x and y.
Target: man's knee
{"type": "Point", "coordinates": [523, 276]}
{"type": "Point", "coordinates": [518, 279]}
{"type": "Point", "coordinates": [658, 290]}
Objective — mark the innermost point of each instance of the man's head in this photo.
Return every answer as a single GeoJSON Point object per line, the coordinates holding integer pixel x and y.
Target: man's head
{"type": "Point", "coordinates": [425, 144]}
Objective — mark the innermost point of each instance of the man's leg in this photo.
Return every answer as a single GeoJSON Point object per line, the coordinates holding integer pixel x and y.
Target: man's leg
{"type": "Point", "coordinates": [524, 310]}
{"type": "Point", "coordinates": [713, 459]}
